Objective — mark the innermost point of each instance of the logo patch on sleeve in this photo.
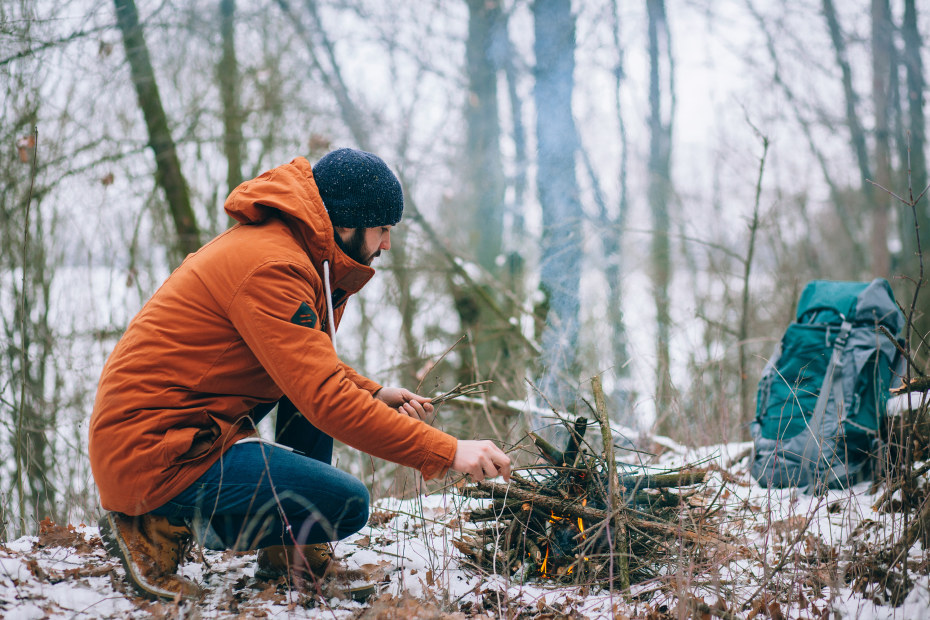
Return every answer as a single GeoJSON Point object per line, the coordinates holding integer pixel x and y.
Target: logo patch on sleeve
{"type": "Point", "coordinates": [304, 316]}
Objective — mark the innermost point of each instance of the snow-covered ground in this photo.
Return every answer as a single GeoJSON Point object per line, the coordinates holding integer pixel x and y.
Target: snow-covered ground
{"type": "Point", "coordinates": [785, 555]}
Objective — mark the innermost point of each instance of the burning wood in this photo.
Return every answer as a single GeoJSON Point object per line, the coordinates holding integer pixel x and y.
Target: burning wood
{"type": "Point", "coordinates": [558, 521]}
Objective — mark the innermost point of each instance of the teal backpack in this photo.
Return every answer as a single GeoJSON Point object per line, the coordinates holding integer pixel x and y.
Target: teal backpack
{"type": "Point", "coordinates": [820, 408]}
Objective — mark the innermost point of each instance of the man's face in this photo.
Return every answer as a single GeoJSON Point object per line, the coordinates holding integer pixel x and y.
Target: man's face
{"type": "Point", "coordinates": [363, 245]}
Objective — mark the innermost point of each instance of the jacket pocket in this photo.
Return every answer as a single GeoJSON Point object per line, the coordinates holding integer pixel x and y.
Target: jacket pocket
{"type": "Point", "coordinates": [189, 443]}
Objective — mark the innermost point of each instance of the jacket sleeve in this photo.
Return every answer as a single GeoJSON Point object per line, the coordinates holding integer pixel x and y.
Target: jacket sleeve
{"type": "Point", "coordinates": [360, 380]}
{"type": "Point", "coordinates": [302, 362]}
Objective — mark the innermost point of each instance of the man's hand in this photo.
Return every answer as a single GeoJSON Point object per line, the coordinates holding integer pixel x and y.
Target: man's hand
{"type": "Point", "coordinates": [406, 402]}
{"type": "Point", "coordinates": [480, 460]}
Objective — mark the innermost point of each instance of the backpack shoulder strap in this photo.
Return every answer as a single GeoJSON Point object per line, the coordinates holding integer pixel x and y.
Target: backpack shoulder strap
{"type": "Point", "coordinates": [813, 449]}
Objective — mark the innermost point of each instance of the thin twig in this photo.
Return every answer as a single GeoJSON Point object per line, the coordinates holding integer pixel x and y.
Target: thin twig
{"type": "Point", "coordinates": [789, 552]}
{"type": "Point", "coordinates": [44, 45]}
{"type": "Point", "coordinates": [436, 363]}
{"type": "Point", "coordinates": [461, 390]}
{"type": "Point", "coordinates": [745, 401]}
{"type": "Point", "coordinates": [25, 344]}
{"type": "Point", "coordinates": [902, 200]}
{"type": "Point", "coordinates": [885, 332]}
{"type": "Point", "coordinates": [898, 484]}
{"type": "Point", "coordinates": [545, 398]}
{"type": "Point", "coordinates": [616, 500]}
{"type": "Point", "coordinates": [888, 191]}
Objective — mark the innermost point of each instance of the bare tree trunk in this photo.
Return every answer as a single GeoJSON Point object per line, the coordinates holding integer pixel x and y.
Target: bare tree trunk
{"type": "Point", "coordinates": [521, 160]}
{"type": "Point", "coordinates": [228, 74]}
{"type": "Point", "coordinates": [168, 166]}
{"type": "Point", "coordinates": [916, 86]}
{"type": "Point", "coordinates": [557, 140]}
{"type": "Point", "coordinates": [897, 117]}
{"type": "Point", "coordinates": [612, 238]}
{"type": "Point", "coordinates": [881, 70]}
{"type": "Point", "coordinates": [853, 122]}
{"type": "Point", "coordinates": [495, 355]}
{"type": "Point", "coordinates": [857, 133]}
{"type": "Point", "coordinates": [917, 144]}
{"type": "Point", "coordinates": [484, 179]}
{"type": "Point", "coordinates": [29, 343]}
{"type": "Point", "coordinates": [660, 146]}
{"type": "Point", "coordinates": [483, 167]}
{"type": "Point", "coordinates": [513, 276]}
{"type": "Point", "coordinates": [745, 386]}
{"type": "Point", "coordinates": [38, 407]}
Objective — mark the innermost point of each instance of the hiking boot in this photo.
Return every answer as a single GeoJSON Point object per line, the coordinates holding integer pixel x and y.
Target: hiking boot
{"type": "Point", "coordinates": [150, 548]}
{"type": "Point", "coordinates": [314, 563]}
{"type": "Point", "coordinates": [308, 561]}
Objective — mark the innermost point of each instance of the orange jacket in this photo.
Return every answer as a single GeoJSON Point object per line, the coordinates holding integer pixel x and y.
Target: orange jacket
{"type": "Point", "coordinates": [242, 322]}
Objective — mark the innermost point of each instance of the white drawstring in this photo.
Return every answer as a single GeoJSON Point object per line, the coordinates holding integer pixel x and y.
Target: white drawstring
{"type": "Point", "coordinates": [327, 288]}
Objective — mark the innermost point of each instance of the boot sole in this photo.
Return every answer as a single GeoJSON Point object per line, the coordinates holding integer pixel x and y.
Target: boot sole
{"type": "Point", "coordinates": [361, 594]}
{"type": "Point", "coordinates": [116, 548]}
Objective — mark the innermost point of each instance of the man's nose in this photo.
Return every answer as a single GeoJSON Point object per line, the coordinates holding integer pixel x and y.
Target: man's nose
{"type": "Point", "coordinates": [386, 242]}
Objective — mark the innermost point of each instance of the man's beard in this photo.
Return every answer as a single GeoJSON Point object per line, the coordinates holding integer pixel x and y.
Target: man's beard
{"type": "Point", "coordinates": [354, 247]}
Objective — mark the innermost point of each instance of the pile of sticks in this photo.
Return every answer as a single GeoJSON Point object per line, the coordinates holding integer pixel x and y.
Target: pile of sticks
{"type": "Point", "coordinates": [575, 518]}
{"type": "Point", "coordinates": [880, 568]}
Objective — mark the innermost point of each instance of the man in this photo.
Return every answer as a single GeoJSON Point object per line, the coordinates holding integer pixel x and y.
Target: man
{"type": "Point", "coordinates": [245, 323]}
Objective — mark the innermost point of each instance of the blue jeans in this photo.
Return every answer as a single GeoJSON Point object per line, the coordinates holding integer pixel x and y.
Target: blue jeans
{"type": "Point", "coordinates": [258, 495]}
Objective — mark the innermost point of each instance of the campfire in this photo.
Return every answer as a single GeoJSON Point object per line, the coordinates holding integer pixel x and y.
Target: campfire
{"type": "Point", "coordinates": [562, 520]}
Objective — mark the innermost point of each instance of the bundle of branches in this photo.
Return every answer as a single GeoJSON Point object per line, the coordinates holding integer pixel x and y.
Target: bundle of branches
{"type": "Point", "coordinates": [907, 435]}
{"type": "Point", "coordinates": [565, 521]}
{"type": "Point", "coordinates": [461, 390]}
{"type": "Point", "coordinates": [880, 569]}
{"type": "Point", "coordinates": [907, 460]}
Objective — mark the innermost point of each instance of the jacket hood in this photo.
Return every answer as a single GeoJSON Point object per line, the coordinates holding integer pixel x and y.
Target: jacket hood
{"type": "Point", "coordinates": [290, 192]}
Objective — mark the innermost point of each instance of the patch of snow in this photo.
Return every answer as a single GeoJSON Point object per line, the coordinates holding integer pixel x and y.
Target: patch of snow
{"type": "Point", "coordinates": [776, 540]}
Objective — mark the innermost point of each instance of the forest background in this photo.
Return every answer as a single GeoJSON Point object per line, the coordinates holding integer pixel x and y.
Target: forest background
{"type": "Point", "coordinates": [636, 190]}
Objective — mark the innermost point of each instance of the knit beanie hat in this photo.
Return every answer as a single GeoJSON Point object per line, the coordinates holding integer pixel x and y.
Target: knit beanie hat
{"type": "Point", "coordinates": [358, 189]}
